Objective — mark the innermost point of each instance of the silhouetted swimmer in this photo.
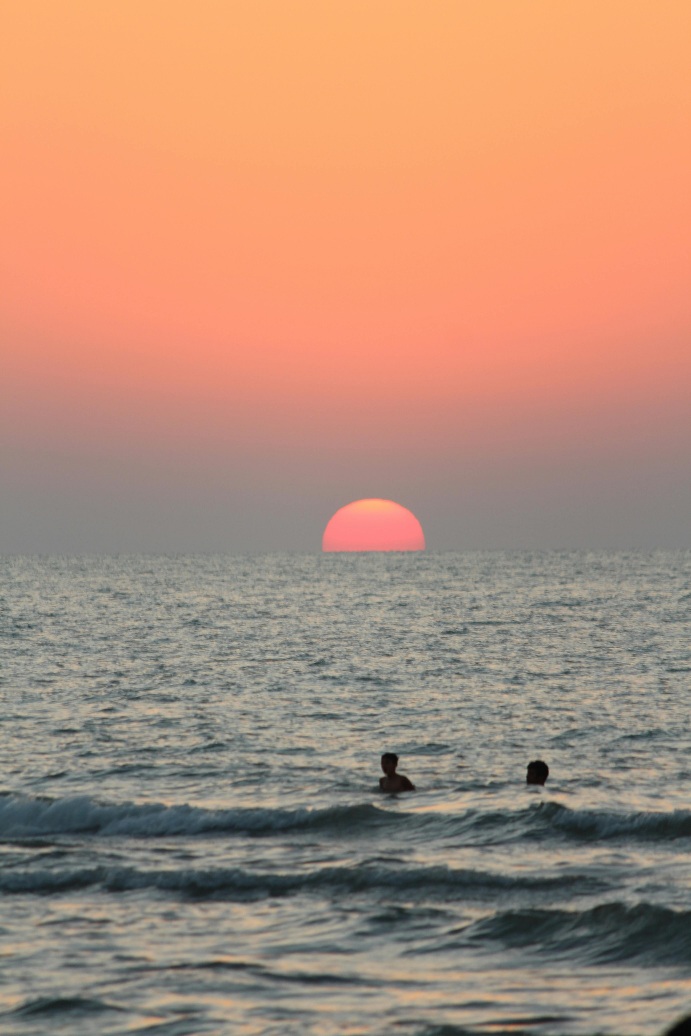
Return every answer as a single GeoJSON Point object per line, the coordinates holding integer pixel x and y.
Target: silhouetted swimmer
{"type": "Point", "coordinates": [538, 772]}
{"type": "Point", "coordinates": [392, 781]}
{"type": "Point", "coordinates": [681, 1028]}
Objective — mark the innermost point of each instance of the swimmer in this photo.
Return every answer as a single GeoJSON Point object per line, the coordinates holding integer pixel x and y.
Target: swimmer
{"type": "Point", "coordinates": [538, 772]}
{"type": "Point", "coordinates": [392, 781]}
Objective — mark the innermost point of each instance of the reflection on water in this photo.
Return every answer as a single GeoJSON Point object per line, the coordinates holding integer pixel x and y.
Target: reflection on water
{"type": "Point", "coordinates": [191, 833]}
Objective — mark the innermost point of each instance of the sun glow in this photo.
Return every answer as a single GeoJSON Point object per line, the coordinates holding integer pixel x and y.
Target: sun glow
{"type": "Point", "coordinates": [373, 524]}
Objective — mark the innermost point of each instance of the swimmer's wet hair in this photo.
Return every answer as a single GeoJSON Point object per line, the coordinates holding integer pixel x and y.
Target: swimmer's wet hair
{"type": "Point", "coordinates": [539, 767]}
{"type": "Point", "coordinates": [392, 756]}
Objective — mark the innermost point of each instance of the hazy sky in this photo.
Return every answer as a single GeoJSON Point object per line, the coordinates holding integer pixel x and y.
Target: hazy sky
{"type": "Point", "coordinates": [259, 258]}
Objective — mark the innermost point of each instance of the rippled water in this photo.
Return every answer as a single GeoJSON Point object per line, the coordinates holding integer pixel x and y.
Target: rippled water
{"type": "Point", "coordinates": [191, 835]}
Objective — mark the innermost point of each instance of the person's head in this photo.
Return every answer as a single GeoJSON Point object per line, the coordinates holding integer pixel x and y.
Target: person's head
{"type": "Point", "coordinates": [538, 772]}
{"type": "Point", "coordinates": [389, 762]}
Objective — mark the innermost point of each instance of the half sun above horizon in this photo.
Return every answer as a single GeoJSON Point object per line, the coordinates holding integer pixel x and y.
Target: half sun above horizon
{"type": "Point", "coordinates": [373, 524]}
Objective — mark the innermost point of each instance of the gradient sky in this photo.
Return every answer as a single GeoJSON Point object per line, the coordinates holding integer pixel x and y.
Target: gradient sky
{"type": "Point", "coordinates": [259, 258]}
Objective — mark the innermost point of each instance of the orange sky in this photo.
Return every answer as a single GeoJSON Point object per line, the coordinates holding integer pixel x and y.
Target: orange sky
{"type": "Point", "coordinates": [342, 238]}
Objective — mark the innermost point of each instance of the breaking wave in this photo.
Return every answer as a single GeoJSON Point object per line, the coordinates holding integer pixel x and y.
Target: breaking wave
{"type": "Point", "coordinates": [24, 817]}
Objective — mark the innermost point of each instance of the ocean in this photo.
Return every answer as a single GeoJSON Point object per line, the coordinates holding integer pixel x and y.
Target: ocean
{"type": "Point", "coordinates": [192, 836]}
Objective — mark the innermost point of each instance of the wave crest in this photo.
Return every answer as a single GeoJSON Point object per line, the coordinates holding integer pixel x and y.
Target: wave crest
{"type": "Point", "coordinates": [25, 817]}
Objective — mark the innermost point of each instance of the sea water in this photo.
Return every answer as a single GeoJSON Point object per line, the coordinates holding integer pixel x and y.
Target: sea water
{"type": "Point", "coordinates": [192, 839]}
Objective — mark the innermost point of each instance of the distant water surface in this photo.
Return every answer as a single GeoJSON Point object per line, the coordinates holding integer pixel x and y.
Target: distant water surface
{"type": "Point", "coordinates": [191, 835]}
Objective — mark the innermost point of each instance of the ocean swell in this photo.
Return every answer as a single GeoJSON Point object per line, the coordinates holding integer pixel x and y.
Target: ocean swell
{"type": "Point", "coordinates": [610, 933]}
{"type": "Point", "coordinates": [430, 882]}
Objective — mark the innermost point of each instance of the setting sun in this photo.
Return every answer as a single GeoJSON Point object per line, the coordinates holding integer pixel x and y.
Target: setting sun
{"type": "Point", "coordinates": [373, 525]}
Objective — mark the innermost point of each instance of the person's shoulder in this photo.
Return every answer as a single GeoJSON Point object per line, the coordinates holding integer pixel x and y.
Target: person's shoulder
{"type": "Point", "coordinates": [381, 782]}
{"type": "Point", "coordinates": [407, 784]}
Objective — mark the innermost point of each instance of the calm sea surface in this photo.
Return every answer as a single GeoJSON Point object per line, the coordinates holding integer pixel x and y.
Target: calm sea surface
{"type": "Point", "coordinates": [192, 839]}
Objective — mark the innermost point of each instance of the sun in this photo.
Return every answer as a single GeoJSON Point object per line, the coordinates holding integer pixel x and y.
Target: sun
{"type": "Point", "coordinates": [373, 525]}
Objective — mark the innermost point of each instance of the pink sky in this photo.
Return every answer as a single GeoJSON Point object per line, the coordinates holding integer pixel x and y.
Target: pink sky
{"type": "Point", "coordinates": [259, 260]}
